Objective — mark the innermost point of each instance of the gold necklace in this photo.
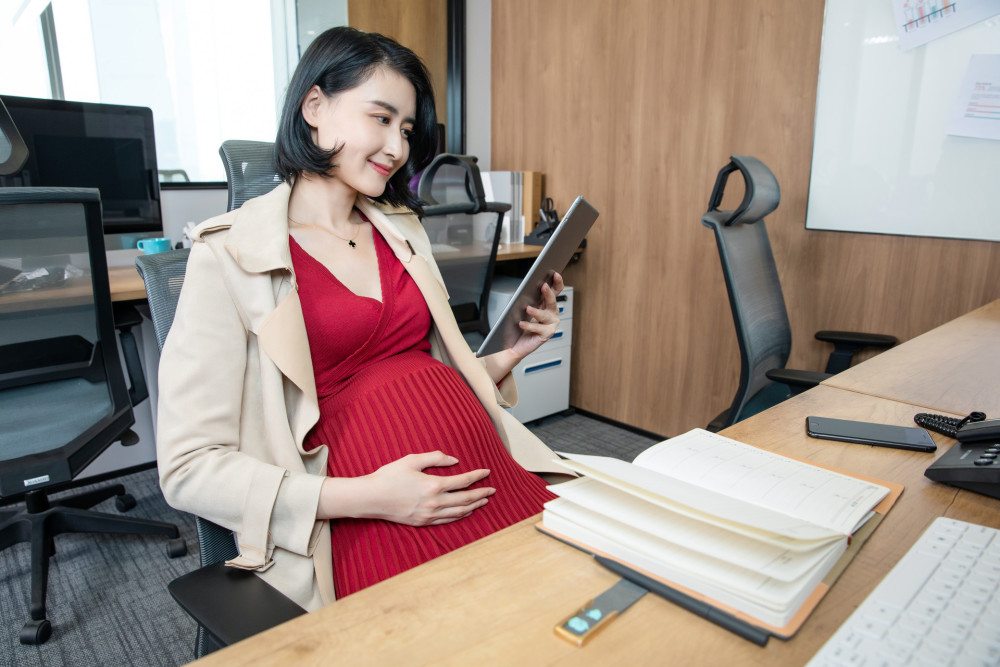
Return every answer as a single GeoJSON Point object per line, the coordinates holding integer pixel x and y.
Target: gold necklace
{"type": "Point", "coordinates": [350, 241]}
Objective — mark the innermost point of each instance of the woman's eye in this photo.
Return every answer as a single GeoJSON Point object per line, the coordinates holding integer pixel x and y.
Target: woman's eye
{"type": "Point", "coordinates": [384, 120]}
{"type": "Point", "coordinates": [407, 133]}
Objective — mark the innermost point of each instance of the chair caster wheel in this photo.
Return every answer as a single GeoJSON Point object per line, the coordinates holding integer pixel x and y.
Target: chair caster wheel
{"type": "Point", "coordinates": [176, 547]}
{"type": "Point", "coordinates": [125, 502]}
{"type": "Point", "coordinates": [36, 632]}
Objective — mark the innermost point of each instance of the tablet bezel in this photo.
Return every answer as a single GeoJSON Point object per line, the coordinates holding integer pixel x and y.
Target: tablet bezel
{"type": "Point", "coordinates": [554, 257]}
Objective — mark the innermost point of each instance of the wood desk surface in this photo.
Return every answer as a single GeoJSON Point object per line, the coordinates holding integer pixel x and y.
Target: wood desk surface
{"type": "Point", "coordinates": [953, 368]}
{"type": "Point", "coordinates": [126, 285]}
{"type": "Point", "coordinates": [496, 601]}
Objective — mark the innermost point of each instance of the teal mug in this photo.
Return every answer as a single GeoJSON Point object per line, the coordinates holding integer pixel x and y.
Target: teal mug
{"type": "Point", "coordinates": [152, 246]}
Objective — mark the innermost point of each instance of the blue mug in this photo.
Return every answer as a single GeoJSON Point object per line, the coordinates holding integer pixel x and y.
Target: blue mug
{"type": "Point", "coordinates": [152, 246]}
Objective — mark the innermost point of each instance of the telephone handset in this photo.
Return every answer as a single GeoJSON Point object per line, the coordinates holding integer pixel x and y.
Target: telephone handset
{"type": "Point", "coordinates": [980, 431]}
{"type": "Point", "coordinates": [973, 463]}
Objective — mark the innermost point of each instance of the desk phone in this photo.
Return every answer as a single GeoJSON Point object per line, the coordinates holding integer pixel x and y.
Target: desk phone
{"type": "Point", "coordinates": [972, 463]}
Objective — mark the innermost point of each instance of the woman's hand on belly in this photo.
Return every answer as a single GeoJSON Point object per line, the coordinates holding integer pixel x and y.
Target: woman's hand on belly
{"type": "Point", "coordinates": [402, 492]}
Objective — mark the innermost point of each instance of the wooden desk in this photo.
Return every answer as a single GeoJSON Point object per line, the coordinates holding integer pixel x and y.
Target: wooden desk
{"type": "Point", "coordinates": [953, 368]}
{"type": "Point", "coordinates": [126, 285]}
{"type": "Point", "coordinates": [497, 600]}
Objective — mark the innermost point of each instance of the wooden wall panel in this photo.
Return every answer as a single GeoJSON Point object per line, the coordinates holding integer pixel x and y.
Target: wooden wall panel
{"type": "Point", "coordinates": [421, 25]}
{"type": "Point", "coordinates": [637, 104]}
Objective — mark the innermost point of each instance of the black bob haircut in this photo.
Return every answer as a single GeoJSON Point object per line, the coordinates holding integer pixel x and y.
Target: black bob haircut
{"type": "Point", "coordinates": [340, 59]}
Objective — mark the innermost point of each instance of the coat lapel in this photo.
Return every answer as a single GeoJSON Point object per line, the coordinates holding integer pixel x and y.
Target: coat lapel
{"type": "Point", "coordinates": [283, 339]}
{"type": "Point", "coordinates": [258, 242]}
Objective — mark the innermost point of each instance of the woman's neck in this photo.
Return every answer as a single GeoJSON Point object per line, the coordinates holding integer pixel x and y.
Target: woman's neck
{"type": "Point", "coordinates": [321, 202]}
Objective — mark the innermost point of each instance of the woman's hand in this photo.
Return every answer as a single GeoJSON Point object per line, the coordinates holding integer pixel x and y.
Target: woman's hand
{"type": "Point", "coordinates": [534, 332]}
{"type": "Point", "coordinates": [401, 492]}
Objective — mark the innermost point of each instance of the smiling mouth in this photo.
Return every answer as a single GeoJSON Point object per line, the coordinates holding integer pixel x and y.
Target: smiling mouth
{"type": "Point", "coordinates": [379, 168]}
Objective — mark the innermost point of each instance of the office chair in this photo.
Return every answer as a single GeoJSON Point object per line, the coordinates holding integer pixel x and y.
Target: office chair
{"type": "Point", "coordinates": [229, 604]}
{"type": "Point", "coordinates": [250, 170]}
{"type": "Point", "coordinates": [452, 189]}
{"type": "Point", "coordinates": [13, 151]}
{"type": "Point", "coordinates": [63, 396]}
{"type": "Point", "coordinates": [757, 302]}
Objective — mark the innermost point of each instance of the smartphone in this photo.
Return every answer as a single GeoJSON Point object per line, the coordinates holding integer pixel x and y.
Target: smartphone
{"type": "Point", "coordinates": [866, 433]}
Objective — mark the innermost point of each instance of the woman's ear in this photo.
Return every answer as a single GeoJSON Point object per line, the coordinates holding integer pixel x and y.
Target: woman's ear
{"type": "Point", "coordinates": [311, 104]}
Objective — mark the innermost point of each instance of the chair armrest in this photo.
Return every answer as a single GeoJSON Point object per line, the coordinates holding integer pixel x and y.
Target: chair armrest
{"type": "Point", "coordinates": [855, 338]}
{"type": "Point", "coordinates": [798, 381]}
{"type": "Point", "coordinates": [846, 343]}
{"type": "Point", "coordinates": [433, 210]}
{"type": "Point", "coordinates": [231, 604]}
{"type": "Point", "coordinates": [126, 317]}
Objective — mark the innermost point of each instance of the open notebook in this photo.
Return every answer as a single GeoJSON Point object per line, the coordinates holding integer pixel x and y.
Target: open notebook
{"type": "Point", "coordinates": [753, 532]}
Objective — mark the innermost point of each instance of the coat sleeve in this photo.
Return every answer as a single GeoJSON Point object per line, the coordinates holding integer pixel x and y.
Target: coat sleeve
{"type": "Point", "coordinates": [201, 382]}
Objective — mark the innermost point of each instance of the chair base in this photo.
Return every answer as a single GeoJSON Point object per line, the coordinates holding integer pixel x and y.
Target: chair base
{"type": "Point", "coordinates": [40, 522]}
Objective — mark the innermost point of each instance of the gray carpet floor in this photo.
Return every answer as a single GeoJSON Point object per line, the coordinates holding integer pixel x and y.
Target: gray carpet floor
{"type": "Point", "coordinates": [107, 596]}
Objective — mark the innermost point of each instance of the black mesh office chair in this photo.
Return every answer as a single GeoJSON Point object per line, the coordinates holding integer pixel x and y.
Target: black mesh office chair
{"type": "Point", "coordinates": [757, 302]}
{"type": "Point", "coordinates": [211, 593]}
{"type": "Point", "coordinates": [63, 395]}
{"type": "Point", "coordinates": [228, 604]}
{"type": "Point", "coordinates": [452, 189]}
{"type": "Point", "coordinates": [250, 170]}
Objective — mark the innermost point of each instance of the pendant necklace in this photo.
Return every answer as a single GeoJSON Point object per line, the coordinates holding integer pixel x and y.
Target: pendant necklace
{"type": "Point", "coordinates": [350, 241]}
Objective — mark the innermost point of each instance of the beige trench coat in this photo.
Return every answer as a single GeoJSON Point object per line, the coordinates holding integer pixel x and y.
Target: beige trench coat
{"type": "Point", "coordinates": [237, 393]}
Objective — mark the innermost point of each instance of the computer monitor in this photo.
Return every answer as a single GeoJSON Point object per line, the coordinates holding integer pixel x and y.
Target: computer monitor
{"type": "Point", "coordinates": [110, 147]}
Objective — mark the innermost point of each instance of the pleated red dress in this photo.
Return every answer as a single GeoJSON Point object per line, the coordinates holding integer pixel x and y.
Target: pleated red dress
{"type": "Point", "coordinates": [382, 396]}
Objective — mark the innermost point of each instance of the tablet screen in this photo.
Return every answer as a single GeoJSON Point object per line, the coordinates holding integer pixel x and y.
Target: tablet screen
{"type": "Point", "coordinates": [565, 241]}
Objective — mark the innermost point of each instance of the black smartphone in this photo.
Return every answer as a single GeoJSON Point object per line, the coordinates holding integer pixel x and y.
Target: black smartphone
{"type": "Point", "coordinates": [866, 433]}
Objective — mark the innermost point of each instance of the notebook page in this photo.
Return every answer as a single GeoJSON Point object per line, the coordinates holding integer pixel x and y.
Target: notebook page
{"type": "Point", "coordinates": [703, 504]}
{"type": "Point", "coordinates": [826, 498]}
{"type": "Point", "coordinates": [766, 598]}
{"type": "Point", "coordinates": [749, 553]}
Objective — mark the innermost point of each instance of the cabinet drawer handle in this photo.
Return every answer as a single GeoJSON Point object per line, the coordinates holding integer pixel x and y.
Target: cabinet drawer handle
{"type": "Point", "coordinates": [542, 367]}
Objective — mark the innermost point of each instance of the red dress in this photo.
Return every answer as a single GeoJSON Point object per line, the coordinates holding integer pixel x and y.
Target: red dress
{"type": "Point", "coordinates": [382, 396]}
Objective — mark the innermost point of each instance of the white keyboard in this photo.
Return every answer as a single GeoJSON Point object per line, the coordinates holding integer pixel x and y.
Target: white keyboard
{"type": "Point", "coordinates": [940, 605]}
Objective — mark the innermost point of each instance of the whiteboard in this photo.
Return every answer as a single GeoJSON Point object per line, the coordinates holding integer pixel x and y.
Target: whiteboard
{"type": "Point", "coordinates": [882, 160]}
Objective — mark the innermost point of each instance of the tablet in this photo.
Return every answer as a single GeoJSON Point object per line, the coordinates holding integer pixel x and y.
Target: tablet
{"type": "Point", "coordinates": [555, 255]}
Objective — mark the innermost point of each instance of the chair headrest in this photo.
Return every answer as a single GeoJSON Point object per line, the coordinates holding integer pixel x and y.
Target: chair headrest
{"type": "Point", "coordinates": [473, 185]}
{"type": "Point", "coordinates": [761, 196]}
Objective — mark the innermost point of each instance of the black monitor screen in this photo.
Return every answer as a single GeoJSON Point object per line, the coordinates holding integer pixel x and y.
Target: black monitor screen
{"type": "Point", "coordinates": [105, 146]}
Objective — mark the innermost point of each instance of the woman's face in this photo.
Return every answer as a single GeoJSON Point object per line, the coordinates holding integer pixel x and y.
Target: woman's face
{"type": "Point", "coordinates": [372, 121]}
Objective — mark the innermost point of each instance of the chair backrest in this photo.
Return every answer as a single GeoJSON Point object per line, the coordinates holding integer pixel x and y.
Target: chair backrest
{"type": "Point", "coordinates": [250, 170]}
{"type": "Point", "coordinates": [13, 152]}
{"type": "Point", "coordinates": [63, 394]}
{"type": "Point", "coordinates": [163, 274]}
{"type": "Point", "coordinates": [465, 246]}
{"type": "Point", "coordinates": [755, 295]}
